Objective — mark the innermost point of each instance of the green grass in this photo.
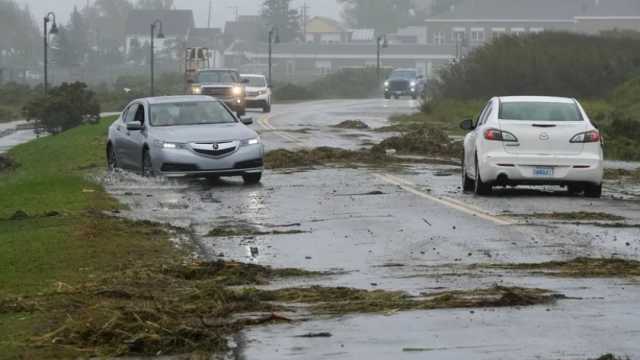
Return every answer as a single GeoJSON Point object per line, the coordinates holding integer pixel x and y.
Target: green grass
{"type": "Point", "coordinates": [44, 253]}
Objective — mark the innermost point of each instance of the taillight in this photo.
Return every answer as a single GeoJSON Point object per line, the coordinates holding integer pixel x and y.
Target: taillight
{"type": "Point", "coordinates": [587, 137]}
{"type": "Point", "coordinates": [499, 135]}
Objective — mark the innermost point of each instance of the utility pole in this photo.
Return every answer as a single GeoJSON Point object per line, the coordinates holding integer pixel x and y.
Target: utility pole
{"type": "Point", "coordinates": [274, 36]}
{"type": "Point", "coordinates": [210, 8]}
{"type": "Point", "coordinates": [305, 11]}
{"type": "Point", "coordinates": [155, 24]}
{"type": "Point", "coordinates": [381, 43]}
{"type": "Point", "coordinates": [51, 17]}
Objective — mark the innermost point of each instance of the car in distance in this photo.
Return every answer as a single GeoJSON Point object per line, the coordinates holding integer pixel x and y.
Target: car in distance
{"type": "Point", "coordinates": [404, 82]}
{"type": "Point", "coordinates": [258, 93]}
{"type": "Point", "coordinates": [223, 84]}
{"type": "Point", "coordinates": [533, 141]}
{"type": "Point", "coordinates": [179, 136]}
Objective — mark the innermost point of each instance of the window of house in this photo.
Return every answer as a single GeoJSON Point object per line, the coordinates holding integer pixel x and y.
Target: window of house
{"type": "Point", "coordinates": [477, 34]}
{"type": "Point", "coordinates": [457, 35]}
{"type": "Point", "coordinates": [517, 31]}
{"type": "Point", "coordinates": [324, 67]}
{"type": "Point", "coordinates": [536, 30]}
{"type": "Point", "coordinates": [438, 38]}
{"type": "Point", "coordinates": [497, 32]}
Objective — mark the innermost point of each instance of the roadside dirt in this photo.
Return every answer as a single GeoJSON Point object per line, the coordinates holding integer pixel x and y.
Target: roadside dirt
{"type": "Point", "coordinates": [422, 140]}
{"type": "Point", "coordinates": [352, 124]}
{"type": "Point", "coordinates": [572, 216]}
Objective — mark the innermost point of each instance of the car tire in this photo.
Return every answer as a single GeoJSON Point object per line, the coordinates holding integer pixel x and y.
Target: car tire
{"type": "Point", "coordinates": [266, 108]}
{"type": "Point", "coordinates": [112, 158]}
{"type": "Point", "coordinates": [575, 189]}
{"type": "Point", "coordinates": [480, 187]}
{"type": "Point", "coordinates": [387, 96]}
{"type": "Point", "coordinates": [147, 164]}
{"type": "Point", "coordinates": [414, 97]}
{"type": "Point", "coordinates": [593, 191]}
{"type": "Point", "coordinates": [467, 183]}
{"type": "Point", "coordinates": [396, 97]}
{"type": "Point", "coordinates": [252, 179]}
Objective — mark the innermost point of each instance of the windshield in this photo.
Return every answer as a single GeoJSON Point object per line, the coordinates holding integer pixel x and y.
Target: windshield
{"type": "Point", "coordinates": [190, 113]}
{"type": "Point", "coordinates": [540, 111]}
{"type": "Point", "coordinates": [404, 74]}
{"type": "Point", "coordinates": [218, 77]}
{"type": "Point", "coordinates": [256, 81]}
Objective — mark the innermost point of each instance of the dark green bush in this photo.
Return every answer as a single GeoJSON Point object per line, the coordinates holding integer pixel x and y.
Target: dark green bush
{"type": "Point", "coordinates": [65, 107]}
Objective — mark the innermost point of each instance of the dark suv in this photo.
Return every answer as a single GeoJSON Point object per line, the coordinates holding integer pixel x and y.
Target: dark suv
{"type": "Point", "coordinates": [404, 82]}
{"type": "Point", "coordinates": [223, 84]}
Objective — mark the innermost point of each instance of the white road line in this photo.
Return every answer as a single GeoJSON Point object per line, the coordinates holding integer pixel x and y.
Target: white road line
{"type": "Point", "coordinates": [456, 205]}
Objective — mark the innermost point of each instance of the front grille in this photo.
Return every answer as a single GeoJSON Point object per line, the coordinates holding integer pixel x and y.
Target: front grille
{"type": "Point", "coordinates": [253, 93]}
{"type": "Point", "coordinates": [220, 92]}
{"type": "Point", "coordinates": [398, 85]}
{"type": "Point", "coordinates": [215, 152]}
{"type": "Point", "coordinates": [172, 167]}
{"type": "Point", "coordinates": [250, 164]}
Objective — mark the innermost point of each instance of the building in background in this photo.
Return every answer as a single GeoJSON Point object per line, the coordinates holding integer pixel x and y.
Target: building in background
{"type": "Point", "coordinates": [176, 26]}
{"type": "Point", "coordinates": [325, 30]}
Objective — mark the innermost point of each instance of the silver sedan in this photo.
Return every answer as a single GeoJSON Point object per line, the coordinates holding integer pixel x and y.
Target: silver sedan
{"type": "Point", "coordinates": [180, 136]}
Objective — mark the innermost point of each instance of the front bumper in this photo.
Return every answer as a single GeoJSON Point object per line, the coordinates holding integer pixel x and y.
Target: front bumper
{"type": "Point", "coordinates": [257, 101]}
{"type": "Point", "coordinates": [521, 169]}
{"type": "Point", "coordinates": [186, 162]}
{"type": "Point", "coordinates": [404, 92]}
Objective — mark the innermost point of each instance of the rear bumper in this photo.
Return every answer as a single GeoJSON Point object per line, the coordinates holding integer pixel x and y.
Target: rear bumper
{"type": "Point", "coordinates": [500, 167]}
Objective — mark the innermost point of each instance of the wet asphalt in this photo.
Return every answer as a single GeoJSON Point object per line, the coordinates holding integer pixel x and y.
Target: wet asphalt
{"type": "Point", "coordinates": [410, 229]}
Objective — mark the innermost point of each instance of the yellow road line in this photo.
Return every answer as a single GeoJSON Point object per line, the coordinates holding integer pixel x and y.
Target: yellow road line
{"type": "Point", "coordinates": [265, 122]}
{"type": "Point", "coordinates": [448, 202]}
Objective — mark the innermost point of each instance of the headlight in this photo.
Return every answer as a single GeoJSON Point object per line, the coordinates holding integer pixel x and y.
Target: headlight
{"type": "Point", "coordinates": [168, 145]}
{"type": "Point", "coordinates": [262, 92]}
{"type": "Point", "coordinates": [237, 91]}
{"type": "Point", "coordinates": [413, 84]}
{"type": "Point", "coordinates": [196, 90]}
{"type": "Point", "coordinates": [386, 83]}
{"type": "Point", "coordinates": [254, 141]}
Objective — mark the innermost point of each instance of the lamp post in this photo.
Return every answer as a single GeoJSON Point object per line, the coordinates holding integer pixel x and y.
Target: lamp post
{"type": "Point", "coordinates": [51, 17]}
{"type": "Point", "coordinates": [381, 43]}
{"type": "Point", "coordinates": [274, 36]}
{"type": "Point", "coordinates": [155, 24]}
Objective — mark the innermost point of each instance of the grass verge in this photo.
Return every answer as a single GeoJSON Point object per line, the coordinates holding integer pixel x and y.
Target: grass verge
{"type": "Point", "coordinates": [580, 268]}
{"type": "Point", "coordinates": [572, 216]}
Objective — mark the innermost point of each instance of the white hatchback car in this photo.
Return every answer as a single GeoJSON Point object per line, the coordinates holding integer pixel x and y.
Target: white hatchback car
{"type": "Point", "coordinates": [533, 141]}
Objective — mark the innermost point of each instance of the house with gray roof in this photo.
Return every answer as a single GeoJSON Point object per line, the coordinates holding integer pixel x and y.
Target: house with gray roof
{"type": "Point", "coordinates": [176, 26]}
{"type": "Point", "coordinates": [471, 23]}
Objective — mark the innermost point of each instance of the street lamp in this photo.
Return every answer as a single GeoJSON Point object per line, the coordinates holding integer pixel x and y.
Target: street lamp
{"type": "Point", "coordinates": [274, 36]}
{"type": "Point", "coordinates": [155, 24]}
{"type": "Point", "coordinates": [381, 43]}
{"type": "Point", "coordinates": [51, 17]}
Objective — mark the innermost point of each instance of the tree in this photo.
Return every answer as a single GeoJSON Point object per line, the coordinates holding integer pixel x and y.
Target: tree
{"type": "Point", "coordinates": [385, 16]}
{"type": "Point", "coordinates": [19, 35]}
{"type": "Point", "coordinates": [65, 107]}
{"type": "Point", "coordinates": [155, 4]}
{"type": "Point", "coordinates": [442, 6]}
{"type": "Point", "coordinates": [279, 14]}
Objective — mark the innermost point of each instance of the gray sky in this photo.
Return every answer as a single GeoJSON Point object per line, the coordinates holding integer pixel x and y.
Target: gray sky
{"type": "Point", "coordinates": [222, 11]}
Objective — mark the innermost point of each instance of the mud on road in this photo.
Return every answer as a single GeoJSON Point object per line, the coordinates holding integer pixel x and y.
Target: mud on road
{"type": "Point", "coordinates": [408, 228]}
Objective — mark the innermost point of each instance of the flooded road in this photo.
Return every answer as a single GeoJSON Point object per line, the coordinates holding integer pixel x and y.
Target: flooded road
{"type": "Point", "coordinates": [413, 230]}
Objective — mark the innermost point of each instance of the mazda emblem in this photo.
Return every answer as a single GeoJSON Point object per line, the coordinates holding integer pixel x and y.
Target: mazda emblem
{"type": "Point", "coordinates": [544, 136]}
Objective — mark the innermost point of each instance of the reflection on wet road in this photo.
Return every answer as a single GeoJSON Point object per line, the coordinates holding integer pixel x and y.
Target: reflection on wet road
{"type": "Point", "coordinates": [411, 230]}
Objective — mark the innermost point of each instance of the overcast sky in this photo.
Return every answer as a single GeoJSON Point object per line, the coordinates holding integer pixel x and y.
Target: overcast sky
{"type": "Point", "coordinates": [222, 8]}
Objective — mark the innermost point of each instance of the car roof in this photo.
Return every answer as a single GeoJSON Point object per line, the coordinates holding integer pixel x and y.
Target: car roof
{"type": "Point", "coordinates": [253, 75]}
{"type": "Point", "coordinates": [217, 69]}
{"type": "Point", "coordinates": [177, 99]}
{"type": "Point", "coordinates": [548, 99]}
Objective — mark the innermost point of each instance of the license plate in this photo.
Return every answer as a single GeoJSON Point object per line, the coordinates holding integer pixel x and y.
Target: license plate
{"type": "Point", "coordinates": [543, 172]}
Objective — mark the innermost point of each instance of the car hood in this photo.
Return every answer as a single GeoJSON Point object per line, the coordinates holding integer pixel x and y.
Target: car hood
{"type": "Point", "coordinates": [255, 88]}
{"type": "Point", "coordinates": [203, 133]}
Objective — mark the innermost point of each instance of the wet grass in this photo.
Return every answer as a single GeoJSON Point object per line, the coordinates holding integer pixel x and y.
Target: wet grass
{"type": "Point", "coordinates": [580, 268]}
{"type": "Point", "coordinates": [6, 163]}
{"type": "Point", "coordinates": [283, 159]}
{"type": "Point", "coordinates": [422, 140]}
{"type": "Point", "coordinates": [572, 216]}
{"type": "Point", "coordinates": [352, 124]}
{"type": "Point", "coordinates": [612, 357]}
{"type": "Point", "coordinates": [622, 175]}
{"type": "Point", "coordinates": [234, 231]}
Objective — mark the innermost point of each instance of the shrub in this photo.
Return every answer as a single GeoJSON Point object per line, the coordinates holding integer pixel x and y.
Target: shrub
{"type": "Point", "coordinates": [7, 113]}
{"type": "Point", "coordinates": [65, 107]}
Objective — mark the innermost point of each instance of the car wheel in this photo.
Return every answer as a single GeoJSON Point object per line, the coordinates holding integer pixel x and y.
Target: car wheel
{"type": "Point", "coordinates": [266, 108]}
{"type": "Point", "coordinates": [252, 179]}
{"type": "Point", "coordinates": [242, 112]}
{"type": "Point", "coordinates": [467, 183]}
{"type": "Point", "coordinates": [480, 187]}
{"type": "Point", "coordinates": [396, 97]}
{"type": "Point", "coordinates": [387, 96]}
{"type": "Point", "coordinates": [414, 97]}
{"type": "Point", "coordinates": [147, 165]}
{"type": "Point", "coordinates": [112, 159]}
{"type": "Point", "coordinates": [593, 191]}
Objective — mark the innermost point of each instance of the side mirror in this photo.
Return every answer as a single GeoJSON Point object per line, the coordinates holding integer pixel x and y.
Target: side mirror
{"type": "Point", "coordinates": [246, 120]}
{"type": "Point", "coordinates": [467, 125]}
{"type": "Point", "coordinates": [134, 126]}
{"type": "Point", "coordinates": [191, 81]}
{"type": "Point", "coordinates": [245, 81]}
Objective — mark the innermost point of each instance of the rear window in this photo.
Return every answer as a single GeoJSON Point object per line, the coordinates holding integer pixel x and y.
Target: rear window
{"type": "Point", "coordinates": [540, 111]}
